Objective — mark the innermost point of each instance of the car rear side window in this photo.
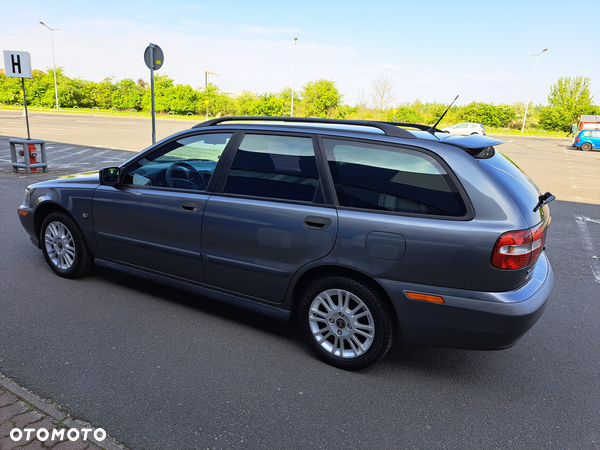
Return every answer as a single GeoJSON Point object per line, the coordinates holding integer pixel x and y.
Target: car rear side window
{"type": "Point", "coordinates": [385, 178]}
{"type": "Point", "coordinates": [282, 167]}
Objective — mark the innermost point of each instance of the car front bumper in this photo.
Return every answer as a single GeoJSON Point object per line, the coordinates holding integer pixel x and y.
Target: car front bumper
{"type": "Point", "coordinates": [471, 319]}
{"type": "Point", "coordinates": [27, 221]}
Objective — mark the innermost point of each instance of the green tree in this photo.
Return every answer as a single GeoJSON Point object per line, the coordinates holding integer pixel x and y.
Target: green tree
{"type": "Point", "coordinates": [184, 99]}
{"type": "Point", "coordinates": [432, 112]}
{"type": "Point", "coordinates": [219, 104]}
{"type": "Point", "coordinates": [320, 98]}
{"type": "Point", "coordinates": [286, 95]}
{"type": "Point", "coordinates": [163, 93]}
{"type": "Point", "coordinates": [569, 98]}
{"type": "Point", "coordinates": [268, 106]}
{"type": "Point", "coordinates": [101, 93]}
{"type": "Point", "coordinates": [245, 103]}
{"type": "Point", "coordinates": [404, 114]}
{"type": "Point", "coordinates": [38, 86]}
{"type": "Point", "coordinates": [127, 95]}
{"type": "Point", "coordinates": [487, 114]}
{"type": "Point", "coordinates": [10, 90]}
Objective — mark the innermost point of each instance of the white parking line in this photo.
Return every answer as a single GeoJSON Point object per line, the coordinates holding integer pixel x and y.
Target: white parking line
{"type": "Point", "coordinates": [593, 258]}
{"type": "Point", "coordinates": [70, 154]}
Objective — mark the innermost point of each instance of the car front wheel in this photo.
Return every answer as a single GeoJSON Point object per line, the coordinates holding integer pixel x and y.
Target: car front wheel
{"type": "Point", "coordinates": [64, 246]}
{"type": "Point", "coordinates": [346, 323]}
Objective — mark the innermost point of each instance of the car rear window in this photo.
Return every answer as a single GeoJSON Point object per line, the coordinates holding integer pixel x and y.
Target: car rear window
{"type": "Point", "coordinates": [386, 178]}
{"type": "Point", "coordinates": [519, 186]}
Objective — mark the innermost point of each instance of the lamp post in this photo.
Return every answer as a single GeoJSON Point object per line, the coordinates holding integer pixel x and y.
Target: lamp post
{"type": "Point", "coordinates": [294, 77]}
{"type": "Point", "coordinates": [53, 61]}
{"type": "Point", "coordinates": [530, 86]}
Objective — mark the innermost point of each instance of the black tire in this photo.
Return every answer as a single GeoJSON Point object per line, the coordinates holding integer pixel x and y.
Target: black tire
{"type": "Point", "coordinates": [64, 246]}
{"type": "Point", "coordinates": [586, 146]}
{"type": "Point", "coordinates": [347, 324]}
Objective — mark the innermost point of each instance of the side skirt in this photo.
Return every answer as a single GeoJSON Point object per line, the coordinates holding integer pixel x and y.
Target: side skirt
{"type": "Point", "coordinates": [204, 291]}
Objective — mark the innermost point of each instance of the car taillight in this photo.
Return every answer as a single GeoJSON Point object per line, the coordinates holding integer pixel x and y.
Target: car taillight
{"type": "Point", "coordinates": [518, 249]}
{"type": "Point", "coordinates": [577, 139]}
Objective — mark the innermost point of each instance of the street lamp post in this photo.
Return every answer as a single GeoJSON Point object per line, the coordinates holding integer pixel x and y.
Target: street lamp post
{"type": "Point", "coordinates": [530, 86]}
{"type": "Point", "coordinates": [53, 61]}
{"type": "Point", "coordinates": [294, 77]}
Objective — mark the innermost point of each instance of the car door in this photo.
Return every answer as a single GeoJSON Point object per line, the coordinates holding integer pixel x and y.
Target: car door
{"type": "Point", "coordinates": [462, 129]}
{"type": "Point", "coordinates": [270, 218]}
{"type": "Point", "coordinates": [152, 220]}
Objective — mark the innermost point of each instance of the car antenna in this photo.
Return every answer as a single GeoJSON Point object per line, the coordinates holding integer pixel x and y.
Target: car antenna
{"type": "Point", "coordinates": [432, 129]}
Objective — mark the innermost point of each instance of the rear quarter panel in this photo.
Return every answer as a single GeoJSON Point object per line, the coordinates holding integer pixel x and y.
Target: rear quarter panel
{"type": "Point", "coordinates": [439, 251]}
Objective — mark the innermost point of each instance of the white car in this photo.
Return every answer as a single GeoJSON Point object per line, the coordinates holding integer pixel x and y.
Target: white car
{"type": "Point", "coordinates": [465, 129]}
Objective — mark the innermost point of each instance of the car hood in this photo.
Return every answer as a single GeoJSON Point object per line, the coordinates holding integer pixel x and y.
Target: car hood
{"type": "Point", "coordinates": [79, 177]}
{"type": "Point", "coordinates": [86, 178]}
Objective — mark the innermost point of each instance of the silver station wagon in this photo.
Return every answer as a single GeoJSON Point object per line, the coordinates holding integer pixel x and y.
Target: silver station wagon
{"type": "Point", "coordinates": [361, 232]}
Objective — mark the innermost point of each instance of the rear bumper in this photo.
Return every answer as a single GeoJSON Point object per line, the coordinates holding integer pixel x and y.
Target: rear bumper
{"type": "Point", "coordinates": [470, 319]}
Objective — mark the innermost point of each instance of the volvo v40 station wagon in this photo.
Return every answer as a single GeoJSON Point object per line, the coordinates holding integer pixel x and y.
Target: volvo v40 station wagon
{"type": "Point", "coordinates": [362, 232]}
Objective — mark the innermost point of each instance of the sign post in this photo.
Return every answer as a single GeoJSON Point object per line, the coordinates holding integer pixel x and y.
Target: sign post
{"type": "Point", "coordinates": [18, 65]}
{"type": "Point", "coordinates": [154, 58]}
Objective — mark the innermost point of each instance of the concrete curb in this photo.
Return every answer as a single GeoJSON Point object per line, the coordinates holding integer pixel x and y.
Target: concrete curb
{"type": "Point", "coordinates": [47, 408]}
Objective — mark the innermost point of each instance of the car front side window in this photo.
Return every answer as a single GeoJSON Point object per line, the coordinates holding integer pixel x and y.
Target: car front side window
{"type": "Point", "coordinates": [185, 163]}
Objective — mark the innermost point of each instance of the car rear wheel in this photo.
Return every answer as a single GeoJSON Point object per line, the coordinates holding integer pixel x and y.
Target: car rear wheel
{"type": "Point", "coordinates": [64, 246]}
{"type": "Point", "coordinates": [346, 323]}
{"type": "Point", "coordinates": [586, 146]}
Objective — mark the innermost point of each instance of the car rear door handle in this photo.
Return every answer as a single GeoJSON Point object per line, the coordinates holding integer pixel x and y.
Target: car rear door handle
{"type": "Point", "coordinates": [316, 222]}
{"type": "Point", "coordinates": [190, 207]}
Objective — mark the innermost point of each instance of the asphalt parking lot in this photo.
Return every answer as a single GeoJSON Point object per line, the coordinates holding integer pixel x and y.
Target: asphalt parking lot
{"type": "Point", "coordinates": [163, 369]}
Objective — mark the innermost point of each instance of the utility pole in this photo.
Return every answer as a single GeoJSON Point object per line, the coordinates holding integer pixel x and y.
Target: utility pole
{"type": "Point", "coordinates": [293, 78]}
{"type": "Point", "coordinates": [530, 86]}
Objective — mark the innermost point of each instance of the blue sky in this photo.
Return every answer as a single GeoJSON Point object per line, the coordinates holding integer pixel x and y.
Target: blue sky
{"type": "Point", "coordinates": [430, 50]}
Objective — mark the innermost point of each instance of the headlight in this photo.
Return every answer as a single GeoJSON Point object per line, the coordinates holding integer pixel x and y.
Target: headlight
{"type": "Point", "coordinates": [27, 197]}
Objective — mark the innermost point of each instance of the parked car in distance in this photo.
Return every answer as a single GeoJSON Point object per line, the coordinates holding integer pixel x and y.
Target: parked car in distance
{"type": "Point", "coordinates": [465, 129]}
{"type": "Point", "coordinates": [587, 140]}
{"type": "Point", "coordinates": [362, 232]}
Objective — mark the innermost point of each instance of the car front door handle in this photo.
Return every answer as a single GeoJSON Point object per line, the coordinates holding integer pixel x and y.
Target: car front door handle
{"type": "Point", "coordinates": [316, 222]}
{"type": "Point", "coordinates": [190, 207]}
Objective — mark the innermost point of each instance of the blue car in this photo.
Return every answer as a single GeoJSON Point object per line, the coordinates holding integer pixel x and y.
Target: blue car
{"type": "Point", "coordinates": [587, 139]}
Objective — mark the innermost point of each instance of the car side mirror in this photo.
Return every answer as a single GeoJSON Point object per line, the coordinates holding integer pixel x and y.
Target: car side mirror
{"type": "Point", "coordinates": [110, 176]}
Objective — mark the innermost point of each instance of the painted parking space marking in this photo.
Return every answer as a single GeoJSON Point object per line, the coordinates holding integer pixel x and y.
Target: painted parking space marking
{"type": "Point", "coordinates": [69, 157]}
{"type": "Point", "coordinates": [591, 249]}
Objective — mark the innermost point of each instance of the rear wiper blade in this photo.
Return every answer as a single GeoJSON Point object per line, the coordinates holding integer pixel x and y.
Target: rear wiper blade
{"type": "Point", "coordinates": [543, 200]}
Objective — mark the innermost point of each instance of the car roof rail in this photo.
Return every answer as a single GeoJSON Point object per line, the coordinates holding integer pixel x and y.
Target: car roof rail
{"type": "Point", "coordinates": [389, 128]}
